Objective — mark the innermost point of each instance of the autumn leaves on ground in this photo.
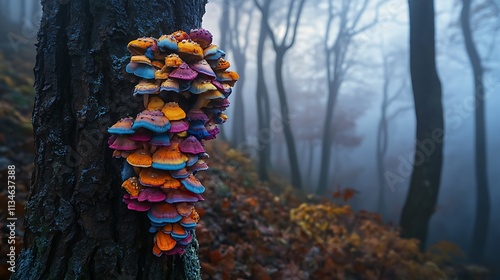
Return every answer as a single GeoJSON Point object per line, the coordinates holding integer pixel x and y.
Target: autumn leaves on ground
{"type": "Point", "coordinates": [249, 229]}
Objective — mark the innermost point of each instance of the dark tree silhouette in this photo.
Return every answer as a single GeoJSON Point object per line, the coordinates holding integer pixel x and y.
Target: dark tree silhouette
{"type": "Point", "coordinates": [77, 226]}
{"type": "Point", "coordinates": [281, 48]}
{"type": "Point", "coordinates": [425, 180]}
{"type": "Point", "coordinates": [482, 219]}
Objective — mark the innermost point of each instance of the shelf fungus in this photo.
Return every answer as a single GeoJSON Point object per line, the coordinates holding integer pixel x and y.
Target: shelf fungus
{"type": "Point", "coordinates": [184, 81]}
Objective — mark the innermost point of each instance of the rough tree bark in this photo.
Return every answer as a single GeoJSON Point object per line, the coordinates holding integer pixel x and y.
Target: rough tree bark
{"type": "Point", "coordinates": [482, 218]}
{"type": "Point", "coordinates": [424, 186]}
{"type": "Point", "coordinates": [77, 226]}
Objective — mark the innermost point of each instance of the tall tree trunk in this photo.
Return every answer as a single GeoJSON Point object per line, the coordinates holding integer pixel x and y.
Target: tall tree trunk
{"type": "Point", "coordinates": [263, 103]}
{"type": "Point", "coordinates": [382, 136]}
{"type": "Point", "coordinates": [285, 122]}
{"type": "Point", "coordinates": [482, 218]}
{"type": "Point", "coordinates": [238, 49]}
{"type": "Point", "coordinates": [77, 226]}
{"type": "Point", "coordinates": [425, 180]}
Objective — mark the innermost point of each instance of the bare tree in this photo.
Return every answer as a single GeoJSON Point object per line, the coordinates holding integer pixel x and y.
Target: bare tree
{"type": "Point", "coordinates": [389, 66]}
{"type": "Point", "coordinates": [425, 180]}
{"type": "Point", "coordinates": [349, 15]}
{"type": "Point", "coordinates": [482, 218]}
{"type": "Point", "coordinates": [281, 48]}
{"type": "Point", "coordinates": [263, 102]}
{"type": "Point", "coordinates": [239, 41]}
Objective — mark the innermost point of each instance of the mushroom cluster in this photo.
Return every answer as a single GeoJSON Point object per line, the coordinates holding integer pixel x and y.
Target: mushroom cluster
{"type": "Point", "coordinates": [185, 83]}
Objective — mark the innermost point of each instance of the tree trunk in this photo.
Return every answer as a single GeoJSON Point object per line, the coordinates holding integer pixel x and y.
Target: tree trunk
{"type": "Point", "coordinates": [263, 103]}
{"type": "Point", "coordinates": [285, 122]}
{"type": "Point", "coordinates": [382, 136]}
{"type": "Point", "coordinates": [424, 186]}
{"type": "Point", "coordinates": [482, 218]}
{"type": "Point", "coordinates": [77, 226]}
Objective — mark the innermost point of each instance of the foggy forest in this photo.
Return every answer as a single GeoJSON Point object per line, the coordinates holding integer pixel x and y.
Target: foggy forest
{"type": "Point", "coordinates": [361, 139]}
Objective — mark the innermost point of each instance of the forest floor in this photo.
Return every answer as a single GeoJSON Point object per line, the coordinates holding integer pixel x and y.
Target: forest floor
{"type": "Point", "coordinates": [248, 229]}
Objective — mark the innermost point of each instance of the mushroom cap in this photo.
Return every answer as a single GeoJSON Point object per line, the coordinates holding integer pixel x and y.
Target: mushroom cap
{"type": "Point", "coordinates": [157, 64]}
{"type": "Point", "coordinates": [219, 118]}
{"type": "Point", "coordinates": [178, 232]}
{"type": "Point", "coordinates": [142, 135]}
{"type": "Point", "coordinates": [220, 65]}
{"type": "Point", "coordinates": [132, 186]}
{"type": "Point", "coordinates": [192, 159]}
{"type": "Point", "coordinates": [173, 112]}
{"type": "Point", "coordinates": [152, 120]}
{"type": "Point", "coordinates": [171, 184]}
{"type": "Point", "coordinates": [164, 241]}
{"type": "Point", "coordinates": [139, 46]}
{"type": "Point", "coordinates": [170, 85]}
{"type": "Point", "coordinates": [182, 195]}
{"type": "Point", "coordinates": [151, 195]}
{"type": "Point", "coordinates": [180, 35]}
{"type": "Point", "coordinates": [202, 67]}
{"type": "Point", "coordinates": [200, 85]}
{"type": "Point", "coordinates": [197, 115]}
{"type": "Point", "coordinates": [191, 145]}
{"type": "Point", "coordinates": [178, 126]}
{"type": "Point", "coordinates": [187, 222]}
{"type": "Point", "coordinates": [187, 240]}
{"type": "Point", "coordinates": [192, 184]}
{"type": "Point", "coordinates": [198, 130]}
{"type": "Point", "coordinates": [168, 158]}
{"type": "Point", "coordinates": [160, 139]}
{"type": "Point", "coordinates": [184, 208]}
{"type": "Point", "coordinates": [123, 143]}
{"type": "Point", "coordinates": [135, 205]}
{"type": "Point", "coordinates": [123, 126]}
{"type": "Point", "coordinates": [213, 52]}
{"type": "Point", "coordinates": [179, 174]}
{"type": "Point", "coordinates": [167, 228]}
{"type": "Point", "coordinates": [173, 60]}
{"type": "Point", "coordinates": [141, 59]}
{"type": "Point", "coordinates": [189, 50]}
{"type": "Point", "coordinates": [163, 213]}
{"type": "Point", "coordinates": [212, 95]}
{"type": "Point", "coordinates": [195, 216]}
{"type": "Point", "coordinates": [155, 103]}
{"type": "Point", "coordinates": [146, 87]}
{"type": "Point", "coordinates": [183, 72]}
{"type": "Point", "coordinates": [201, 36]}
{"type": "Point", "coordinates": [157, 251]}
{"type": "Point", "coordinates": [177, 250]}
{"type": "Point", "coordinates": [228, 77]}
{"type": "Point", "coordinates": [219, 103]}
{"type": "Point", "coordinates": [167, 43]}
{"type": "Point", "coordinates": [200, 165]}
{"type": "Point", "coordinates": [160, 75]}
{"type": "Point", "coordinates": [153, 178]}
{"type": "Point", "coordinates": [141, 70]}
{"type": "Point", "coordinates": [213, 133]}
{"type": "Point", "coordinates": [140, 158]}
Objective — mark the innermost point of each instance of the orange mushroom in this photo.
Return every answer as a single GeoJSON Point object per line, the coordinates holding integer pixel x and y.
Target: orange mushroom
{"type": "Point", "coordinates": [140, 158]}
